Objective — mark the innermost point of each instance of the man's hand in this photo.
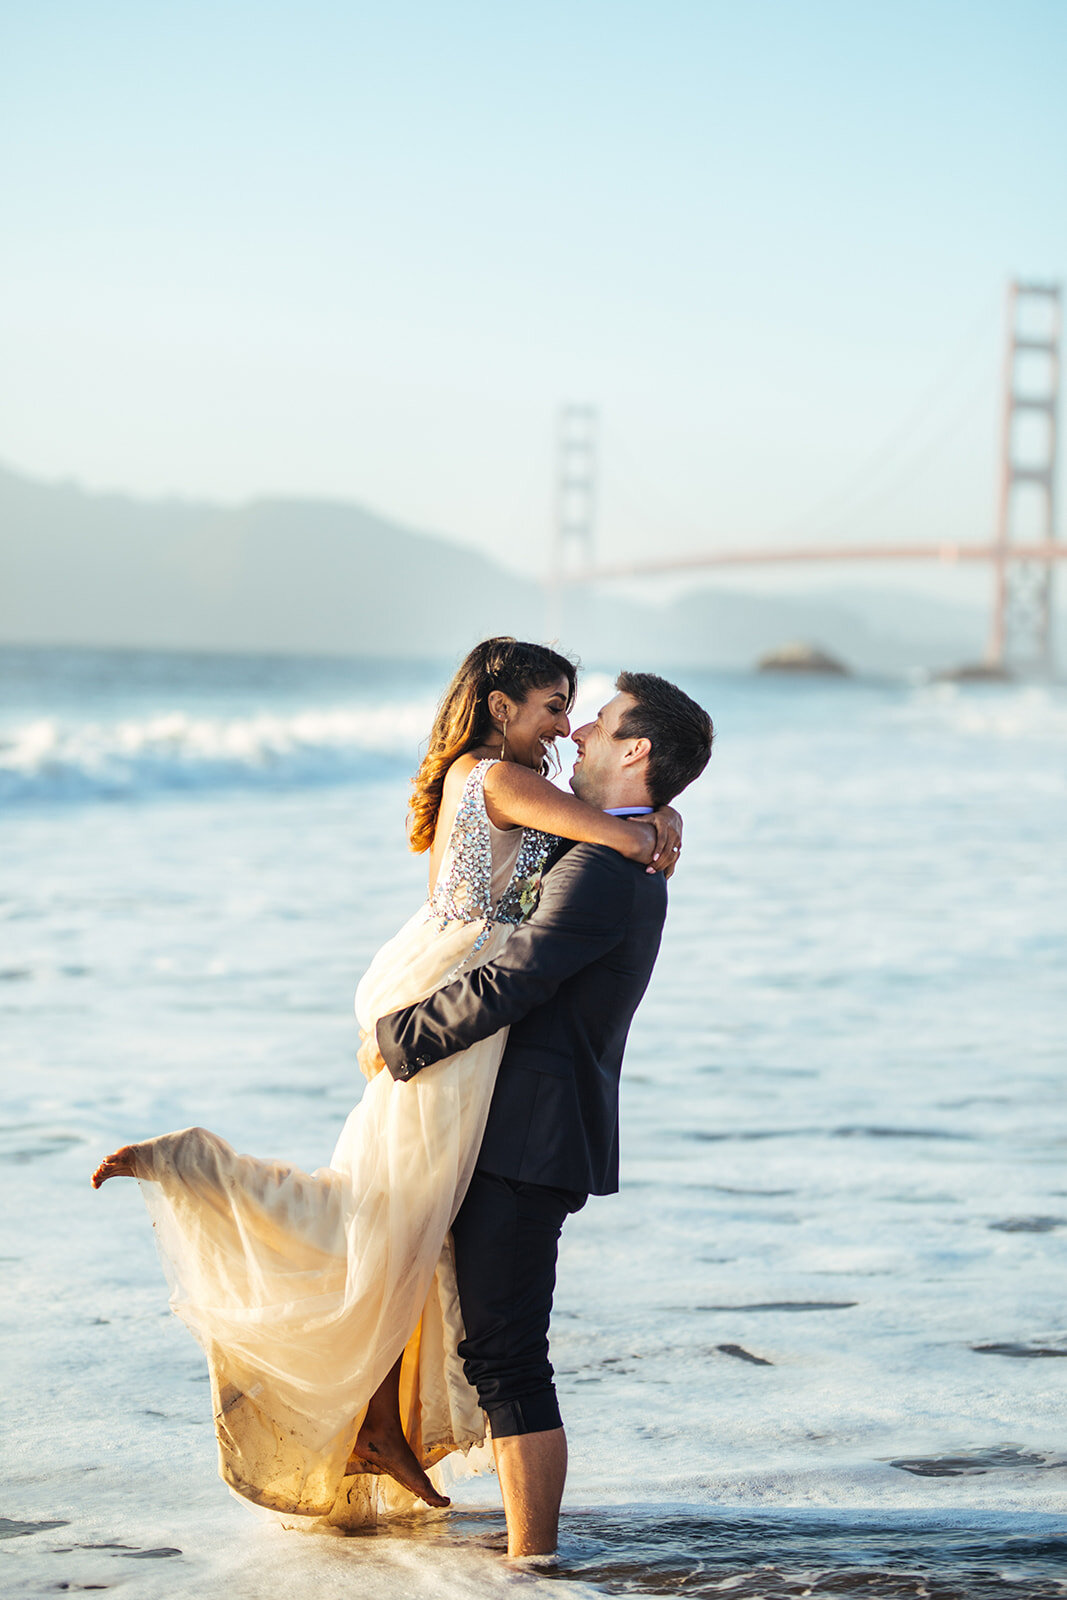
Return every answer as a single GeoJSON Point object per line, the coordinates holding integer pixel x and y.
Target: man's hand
{"type": "Point", "coordinates": [668, 846]}
{"type": "Point", "coordinates": [370, 1058]}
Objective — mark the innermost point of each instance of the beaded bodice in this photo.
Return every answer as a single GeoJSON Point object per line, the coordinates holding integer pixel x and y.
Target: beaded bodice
{"type": "Point", "coordinates": [464, 888]}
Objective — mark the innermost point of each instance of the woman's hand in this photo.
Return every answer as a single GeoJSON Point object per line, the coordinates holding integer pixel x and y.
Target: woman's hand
{"type": "Point", "coordinates": [668, 845]}
{"type": "Point", "coordinates": [657, 840]}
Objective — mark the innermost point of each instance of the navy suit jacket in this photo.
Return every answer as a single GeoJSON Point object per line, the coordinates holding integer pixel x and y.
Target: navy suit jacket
{"type": "Point", "coordinates": [567, 982]}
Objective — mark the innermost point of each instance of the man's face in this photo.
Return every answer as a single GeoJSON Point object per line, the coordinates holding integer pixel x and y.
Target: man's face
{"type": "Point", "coordinates": [600, 754]}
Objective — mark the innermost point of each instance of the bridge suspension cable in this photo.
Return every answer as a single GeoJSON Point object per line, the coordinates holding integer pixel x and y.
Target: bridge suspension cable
{"type": "Point", "coordinates": [1024, 563]}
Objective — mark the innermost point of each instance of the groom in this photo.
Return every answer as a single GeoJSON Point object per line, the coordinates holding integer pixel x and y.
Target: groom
{"type": "Point", "coordinates": [568, 982]}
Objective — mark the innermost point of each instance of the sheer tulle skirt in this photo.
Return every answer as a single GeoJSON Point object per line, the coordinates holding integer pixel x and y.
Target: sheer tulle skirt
{"type": "Point", "coordinates": [304, 1288]}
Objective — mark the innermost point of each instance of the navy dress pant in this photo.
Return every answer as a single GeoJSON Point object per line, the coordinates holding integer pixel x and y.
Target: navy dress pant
{"type": "Point", "coordinates": [506, 1238]}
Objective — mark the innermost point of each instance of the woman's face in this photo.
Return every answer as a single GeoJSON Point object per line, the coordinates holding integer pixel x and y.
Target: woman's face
{"type": "Point", "coordinates": [534, 723]}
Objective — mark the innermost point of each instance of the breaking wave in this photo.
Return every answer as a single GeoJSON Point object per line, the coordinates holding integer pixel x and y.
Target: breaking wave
{"type": "Point", "coordinates": [1031, 711]}
{"type": "Point", "coordinates": [50, 760]}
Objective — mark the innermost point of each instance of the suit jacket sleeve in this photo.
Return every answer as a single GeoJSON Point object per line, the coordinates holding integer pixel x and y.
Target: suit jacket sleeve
{"type": "Point", "coordinates": [585, 903]}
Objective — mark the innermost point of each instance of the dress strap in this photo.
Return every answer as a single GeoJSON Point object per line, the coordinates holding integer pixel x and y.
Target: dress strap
{"type": "Point", "coordinates": [464, 889]}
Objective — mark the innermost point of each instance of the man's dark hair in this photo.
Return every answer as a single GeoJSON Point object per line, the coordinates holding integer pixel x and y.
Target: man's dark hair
{"type": "Point", "coordinates": [679, 731]}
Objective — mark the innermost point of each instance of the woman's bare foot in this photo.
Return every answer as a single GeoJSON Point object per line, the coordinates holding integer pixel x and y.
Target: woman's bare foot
{"type": "Point", "coordinates": [390, 1453]}
{"type": "Point", "coordinates": [381, 1446]}
{"type": "Point", "coordinates": [119, 1165]}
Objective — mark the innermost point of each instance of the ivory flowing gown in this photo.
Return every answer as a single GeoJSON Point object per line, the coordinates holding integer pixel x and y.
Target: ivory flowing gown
{"type": "Point", "coordinates": [302, 1288]}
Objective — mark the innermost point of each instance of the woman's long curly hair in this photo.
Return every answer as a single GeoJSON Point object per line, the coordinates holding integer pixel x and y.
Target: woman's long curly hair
{"type": "Point", "coordinates": [463, 722]}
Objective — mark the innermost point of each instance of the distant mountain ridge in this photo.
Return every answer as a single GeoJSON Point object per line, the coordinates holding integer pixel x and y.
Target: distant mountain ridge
{"type": "Point", "coordinates": [279, 574]}
{"type": "Point", "coordinates": [305, 575]}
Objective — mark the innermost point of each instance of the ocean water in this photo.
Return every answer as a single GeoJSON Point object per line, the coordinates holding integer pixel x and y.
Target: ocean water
{"type": "Point", "coordinates": [816, 1346]}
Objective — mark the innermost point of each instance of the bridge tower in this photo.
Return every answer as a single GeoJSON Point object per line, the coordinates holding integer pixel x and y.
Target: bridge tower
{"type": "Point", "coordinates": [1021, 635]}
{"type": "Point", "coordinates": [575, 503]}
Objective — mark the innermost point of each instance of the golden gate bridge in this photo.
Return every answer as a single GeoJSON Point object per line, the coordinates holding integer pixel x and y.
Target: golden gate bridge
{"type": "Point", "coordinates": [1020, 631]}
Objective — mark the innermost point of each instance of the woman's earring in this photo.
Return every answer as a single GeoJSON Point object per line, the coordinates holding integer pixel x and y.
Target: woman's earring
{"type": "Point", "coordinates": [504, 739]}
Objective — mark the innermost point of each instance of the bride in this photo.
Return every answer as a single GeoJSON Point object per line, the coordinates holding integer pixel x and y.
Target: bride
{"type": "Point", "coordinates": [326, 1303]}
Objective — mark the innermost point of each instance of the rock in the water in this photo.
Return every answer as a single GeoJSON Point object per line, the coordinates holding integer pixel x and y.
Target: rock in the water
{"type": "Point", "coordinates": [975, 672]}
{"type": "Point", "coordinates": [800, 657]}
{"type": "Point", "coordinates": [742, 1354]}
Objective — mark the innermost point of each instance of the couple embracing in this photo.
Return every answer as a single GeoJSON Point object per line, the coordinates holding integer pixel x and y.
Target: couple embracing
{"type": "Point", "coordinates": [364, 1322]}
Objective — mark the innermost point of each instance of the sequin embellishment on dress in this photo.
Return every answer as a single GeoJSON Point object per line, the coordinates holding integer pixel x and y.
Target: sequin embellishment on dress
{"type": "Point", "coordinates": [463, 892]}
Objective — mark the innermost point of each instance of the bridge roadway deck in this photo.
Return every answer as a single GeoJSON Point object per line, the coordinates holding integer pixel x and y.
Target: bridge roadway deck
{"type": "Point", "coordinates": [1048, 551]}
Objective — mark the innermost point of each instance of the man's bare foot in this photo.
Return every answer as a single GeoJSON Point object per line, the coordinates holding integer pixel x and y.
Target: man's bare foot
{"type": "Point", "coordinates": [385, 1450]}
{"type": "Point", "coordinates": [119, 1165]}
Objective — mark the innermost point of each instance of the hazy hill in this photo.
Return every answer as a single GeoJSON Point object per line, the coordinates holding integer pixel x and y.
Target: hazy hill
{"type": "Point", "coordinates": [288, 575]}
{"type": "Point", "coordinates": [319, 576]}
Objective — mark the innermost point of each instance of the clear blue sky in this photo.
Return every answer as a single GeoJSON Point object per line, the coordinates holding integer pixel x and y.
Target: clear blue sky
{"type": "Point", "coordinates": [365, 250]}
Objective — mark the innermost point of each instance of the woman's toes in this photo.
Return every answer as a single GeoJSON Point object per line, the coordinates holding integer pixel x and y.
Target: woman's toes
{"type": "Point", "coordinates": [118, 1165]}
